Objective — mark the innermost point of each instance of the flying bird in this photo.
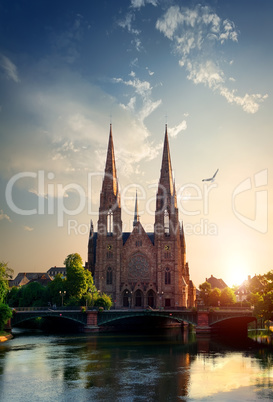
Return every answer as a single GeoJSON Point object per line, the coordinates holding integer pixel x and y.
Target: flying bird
{"type": "Point", "coordinates": [211, 178]}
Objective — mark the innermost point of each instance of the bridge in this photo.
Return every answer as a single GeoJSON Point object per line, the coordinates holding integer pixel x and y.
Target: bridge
{"type": "Point", "coordinates": [205, 320]}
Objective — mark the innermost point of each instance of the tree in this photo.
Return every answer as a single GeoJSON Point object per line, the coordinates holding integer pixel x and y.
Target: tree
{"type": "Point", "coordinates": [55, 287]}
{"type": "Point", "coordinates": [261, 296]}
{"type": "Point", "coordinates": [104, 301]}
{"type": "Point", "coordinates": [6, 273]}
{"type": "Point", "coordinates": [13, 297]}
{"type": "Point", "coordinates": [33, 295]}
{"type": "Point", "coordinates": [227, 297]}
{"type": "Point", "coordinates": [78, 278]}
{"type": "Point", "coordinates": [205, 291]}
{"type": "Point", "coordinates": [5, 315]}
{"type": "Point", "coordinates": [4, 288]}
{"type": "Point", "coordinates": [215, 297]}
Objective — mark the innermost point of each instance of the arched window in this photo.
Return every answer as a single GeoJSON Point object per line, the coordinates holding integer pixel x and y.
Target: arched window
{"type": "Point", "coordinates": [110, 222]}
{"type": "Point", "coordinates": [138, 298]}
{"type": "Point", "coordinates": [167, 276]}
{"type": "Point", "coordinates": [166, 222]}
{"type": "Point", "coordinates": [109, 276]}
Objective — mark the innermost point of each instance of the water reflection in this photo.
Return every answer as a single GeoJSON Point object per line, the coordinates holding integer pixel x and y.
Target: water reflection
{"type": "Point", "coordinates": [166, 366]}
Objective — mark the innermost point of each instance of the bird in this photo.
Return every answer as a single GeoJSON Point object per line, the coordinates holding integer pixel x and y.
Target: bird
{"type": "Point", "coordinates": [211, 178]}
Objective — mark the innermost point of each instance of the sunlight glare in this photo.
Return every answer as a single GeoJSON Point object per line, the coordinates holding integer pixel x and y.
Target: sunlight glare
{"type": "Point", "coordinates": [237, 271]}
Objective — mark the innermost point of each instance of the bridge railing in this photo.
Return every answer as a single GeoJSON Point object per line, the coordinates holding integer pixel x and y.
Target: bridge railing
{"type": "Point", "coordinates": [47, 308]}
{"type": "Point", "coordinates": [224, 308]}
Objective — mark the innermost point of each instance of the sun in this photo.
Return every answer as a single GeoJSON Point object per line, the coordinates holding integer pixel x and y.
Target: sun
{"type": "Point", "coordinates": [237, 271]}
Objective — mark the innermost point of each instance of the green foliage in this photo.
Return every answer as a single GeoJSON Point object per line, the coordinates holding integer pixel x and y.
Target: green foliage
{"type": "Point", "coordinates": [73, 260]}
{"type": "Point", "coordinates": [73, 301]}
{"type": "Point", "coordinates": [211, 297]}
{"type": "Point", "coordinates": [4, 288]}
{"type": "Point", "coordinates": [33, 295]}
{"type": "Point", "coordinates": [5, 315]}
{"type": "Point", "coordinates": [104, 301]}
{"type": "Point", "coordinates": [261, 296]}
{"type": "Point", "coordinates": [13, 297]}
{"type": "Point", "coordinates": [78, 278]}
{"type": "Point", "coordinates": [54, 288]}
{"type": "Point", "coordinates": [205, 291]}
{"type": "Point", "coordinates": [79, 288]}
{"type": "Point", "coordinates": [227, 297]}
{"type": "Point", "coordinates": [6, 273]}
{"type": "Point", "coordinates": [215, 297]}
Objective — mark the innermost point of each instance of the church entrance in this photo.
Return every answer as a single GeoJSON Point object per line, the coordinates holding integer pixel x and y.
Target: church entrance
{"type": "Point", "coordinates": [138, 298]}
{"type": "Point", "coordinates": [126, 298]}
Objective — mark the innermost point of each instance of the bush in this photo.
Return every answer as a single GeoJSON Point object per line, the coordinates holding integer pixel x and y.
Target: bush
{"type": "Point", "coordinates": [103, 301]}
{"type": "Point", "coordinates": [5, 315]}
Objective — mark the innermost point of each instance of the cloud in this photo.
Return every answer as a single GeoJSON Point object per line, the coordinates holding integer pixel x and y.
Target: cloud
{"type": "Point", "coordinates": [174, 131]}
{"type": "Point", "coordinates": [4, 216]}
{"type": "Point", "coordinates": [9, 68]}
{"type": "Point", "coordinates": [207, 73]}
{"type": "Point", "coordinates": [126, 23]}
{"type": "Point", "coordinates": [196, 34]}
{"type": "Point", "coordinates": [142, 3]}
{"type": "Point", "coordinates": [149, 71]}
{"type": "Point", "coordinates": [128, 20]}
{"type": "Point", "coordinates": [28, 228]}
{"type": "Point", "coordinates": [143, 106]}
{"type": "Point", "coordinates": [249, 103]}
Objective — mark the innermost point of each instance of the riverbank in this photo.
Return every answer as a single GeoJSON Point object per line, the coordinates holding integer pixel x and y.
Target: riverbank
{"type": "Point", "coordinates": [5, 336]}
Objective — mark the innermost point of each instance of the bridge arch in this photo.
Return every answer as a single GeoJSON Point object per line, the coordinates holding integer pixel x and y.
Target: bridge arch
{"type": "Point", "coordinates": [232, 325]}
{"type": "Point", "coordinates": [20, 318]}
{"type": "Point", "coordinates": [113, 317]}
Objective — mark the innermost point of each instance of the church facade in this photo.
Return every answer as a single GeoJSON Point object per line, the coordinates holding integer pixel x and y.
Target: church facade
{"type": "Point", "coordinates": [140, 269]}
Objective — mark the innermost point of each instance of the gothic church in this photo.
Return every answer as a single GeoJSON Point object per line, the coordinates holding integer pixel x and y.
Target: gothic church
{"type": "Point", "coordinates": [140, 269]}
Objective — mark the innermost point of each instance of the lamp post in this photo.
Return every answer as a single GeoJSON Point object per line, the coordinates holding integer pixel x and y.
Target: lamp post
{"type": "Point", "coordinates": [130, 299]}
{"type": "Point", "coordinates": [62, 294]}
{"type": "Point", "coordinates": [129, 296]}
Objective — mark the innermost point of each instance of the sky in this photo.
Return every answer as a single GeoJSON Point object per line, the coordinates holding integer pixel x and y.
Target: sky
{"type": "Point", "coordinates": [70, 68]}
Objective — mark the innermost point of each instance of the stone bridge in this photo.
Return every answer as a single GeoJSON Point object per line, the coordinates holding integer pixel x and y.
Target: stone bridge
{"type": "Point", "coordinates": [205, 320]}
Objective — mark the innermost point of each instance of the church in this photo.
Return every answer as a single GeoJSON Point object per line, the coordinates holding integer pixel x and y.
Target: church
{"type": "Point", "coordinates": [140, 269]}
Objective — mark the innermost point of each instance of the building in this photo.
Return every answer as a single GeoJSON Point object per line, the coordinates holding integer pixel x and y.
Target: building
{"type": "Point", "coordinates": [140, 269]}
{"type": "Point", "coordinates": [23, 278]}
{"type": "Point", "coordinates": [53, 271]}
{"type": "Point", "coordinates": [251, 285]}
{"type": "Point", "coordinates": [216, 283]}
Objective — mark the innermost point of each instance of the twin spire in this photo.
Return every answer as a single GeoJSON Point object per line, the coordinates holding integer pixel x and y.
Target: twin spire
{"type": "Point", "coordinates": [110, 182]}
{"type": "Point", "coordinates": [166, 176]}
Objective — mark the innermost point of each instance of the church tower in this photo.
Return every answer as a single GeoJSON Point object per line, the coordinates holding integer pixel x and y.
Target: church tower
{"type": "Point", "coordinates": [169, 238]}
{"type": "Point", "coordinates": [138, 268]}
{"type": "Point", "coordinates": [109, 235]}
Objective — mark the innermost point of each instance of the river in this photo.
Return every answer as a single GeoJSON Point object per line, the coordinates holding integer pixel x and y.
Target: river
{"type": "Point", "coordinates": [169, 365]}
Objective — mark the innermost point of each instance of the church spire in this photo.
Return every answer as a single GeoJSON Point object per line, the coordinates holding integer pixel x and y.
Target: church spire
{"type": "Point", "coordinates": [110, 177]}
{"type": "Point", "coordinates": [166, 176]}
{"type": "Point", "coordinates": [136, 216]}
